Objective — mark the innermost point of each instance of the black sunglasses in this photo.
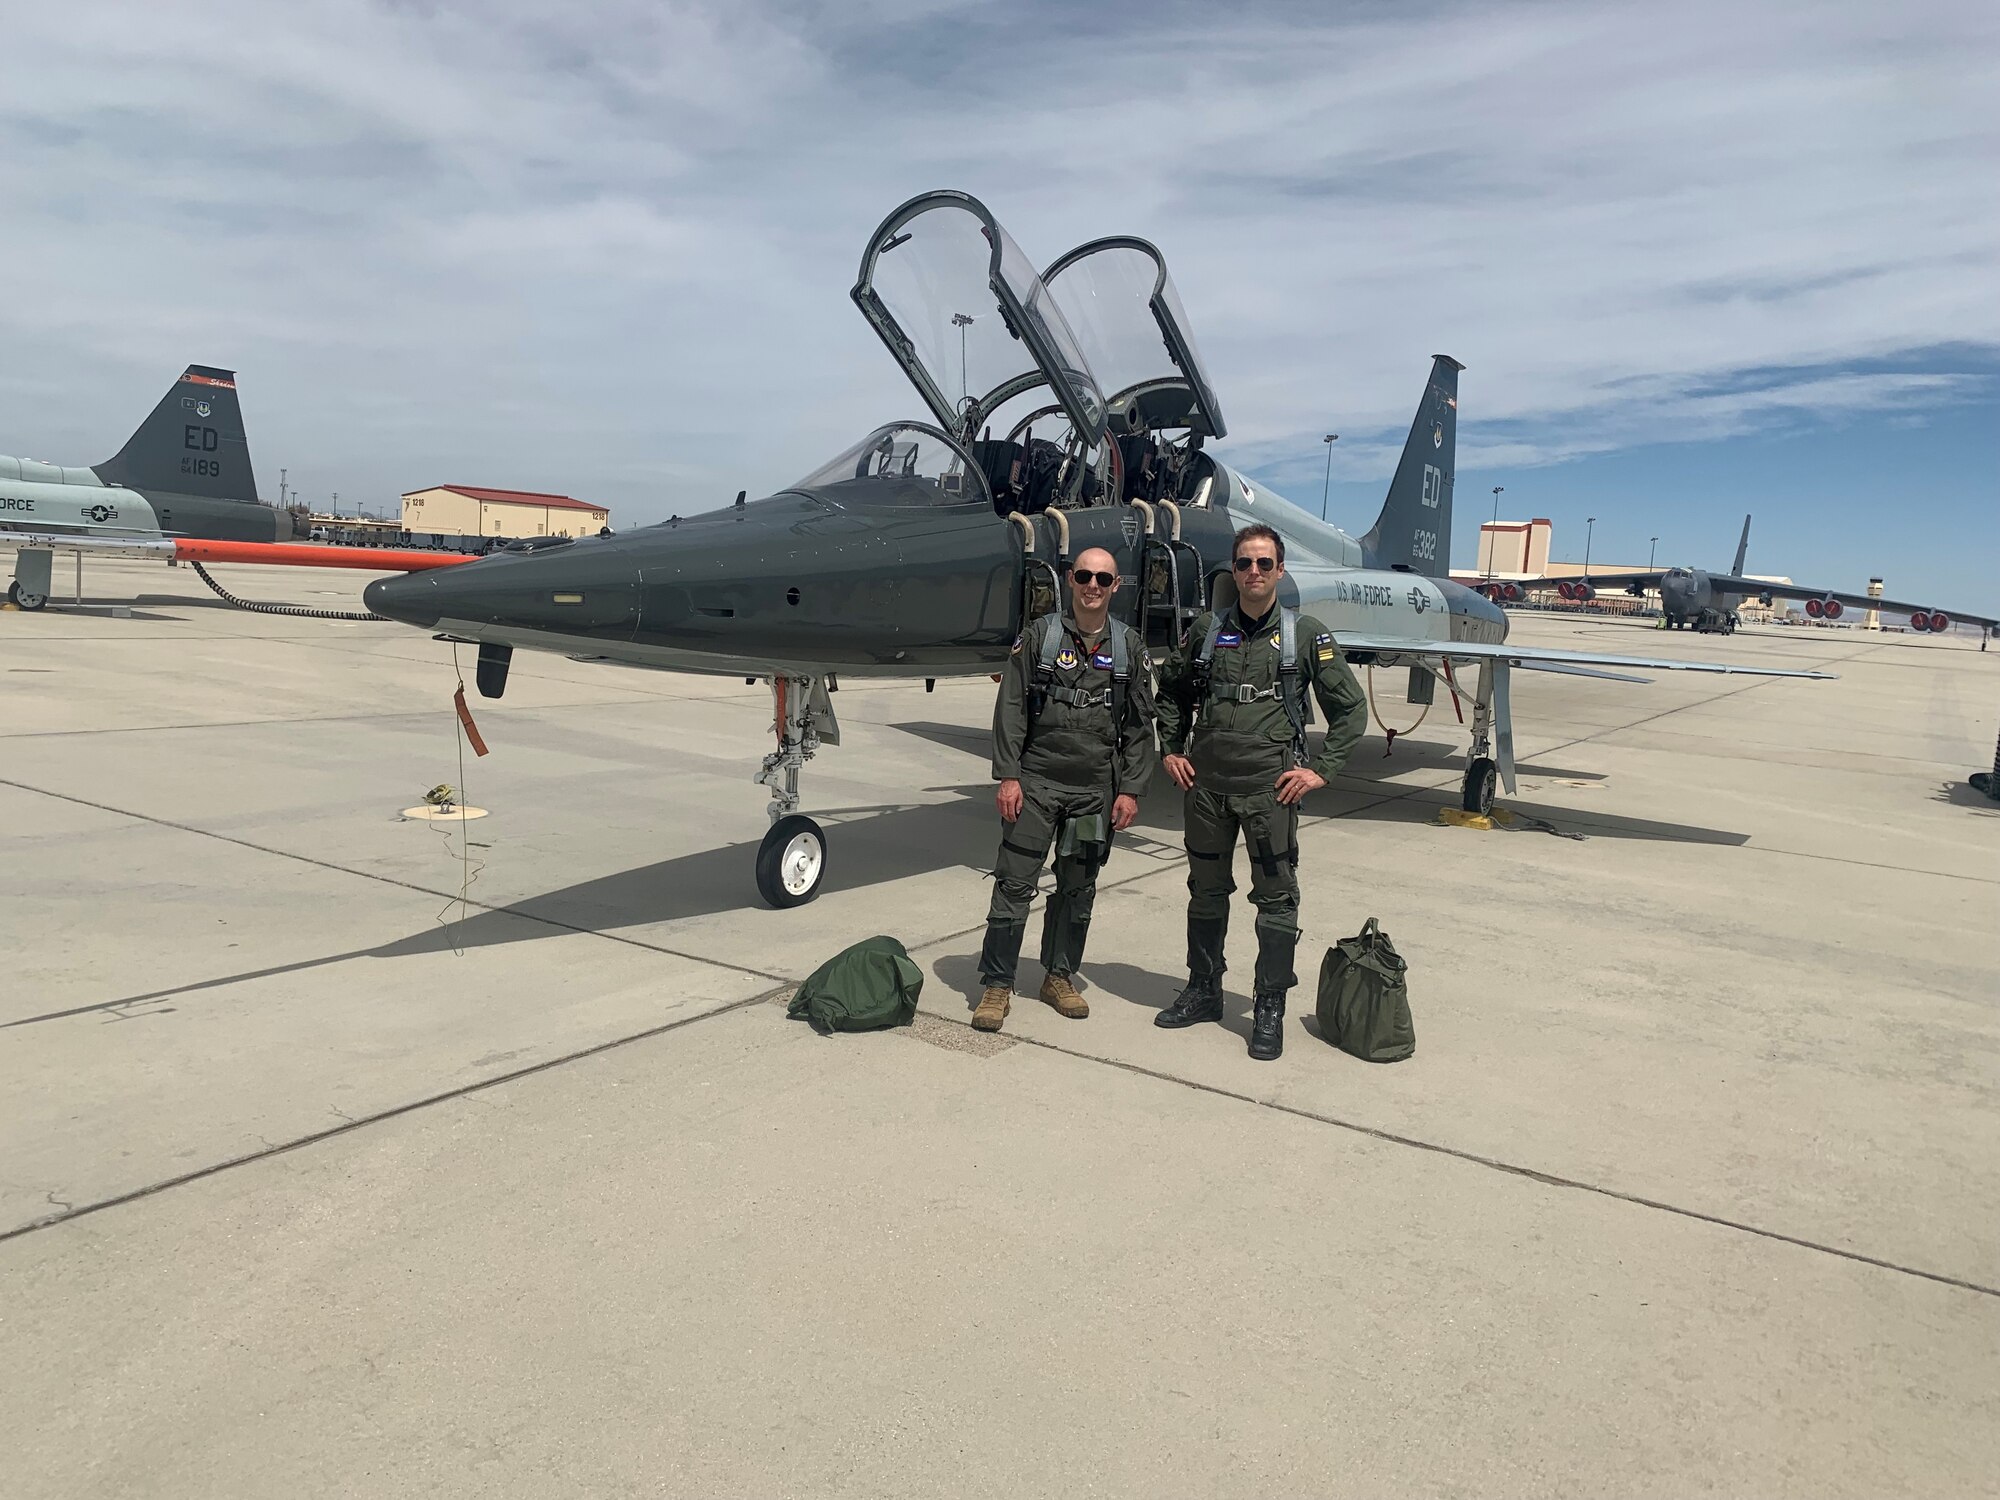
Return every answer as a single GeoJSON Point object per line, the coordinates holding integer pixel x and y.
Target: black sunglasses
{"type": "Point", "coordinates": [1104, 580]}
{"type": "Point", "coordinates": [1261, 564]}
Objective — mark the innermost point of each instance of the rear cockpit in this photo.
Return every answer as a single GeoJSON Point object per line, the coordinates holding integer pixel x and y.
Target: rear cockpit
{"type": "Point", "coordinates": [1118, 296]}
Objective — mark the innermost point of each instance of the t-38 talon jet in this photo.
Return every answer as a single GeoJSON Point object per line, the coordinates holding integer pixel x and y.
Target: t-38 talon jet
{"type": "Point", "coordinates": [1697, 599]}
{"type": "Point", "coordinates": [924, 549]}
{"type": "Point", "coordinates": [181, 488]}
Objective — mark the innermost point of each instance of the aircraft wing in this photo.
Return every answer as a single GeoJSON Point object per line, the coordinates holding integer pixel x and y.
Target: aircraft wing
{"type": "Point", "coordinates": [1599, 580]}
{"type": "Point", "coordinates": [1754, 587]}
{"type": "Point", "coordinates": [93, 546]}
{"type": "Point", "coordinates": [1550, 658]}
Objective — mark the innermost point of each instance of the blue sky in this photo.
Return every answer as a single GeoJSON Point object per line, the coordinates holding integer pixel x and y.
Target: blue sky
{"type": "Point", "coordinates": [1697, 259]}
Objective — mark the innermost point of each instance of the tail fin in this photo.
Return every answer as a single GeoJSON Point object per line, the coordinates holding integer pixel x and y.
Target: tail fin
{"type": "Point", "coordinates": [1742, 549]}
{"type": "Point", "coordinates": [1413, 532]}
{"type": "Point", "coordinates": [192, 444]}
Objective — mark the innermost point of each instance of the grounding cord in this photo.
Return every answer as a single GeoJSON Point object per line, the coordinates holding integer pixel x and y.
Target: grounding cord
{"type": "Point", "coordinates": [294, 610]}
{"type": "Point", "coordinates": [1377, 713]}
{"type": "Point", "coordinates": [469, 869]}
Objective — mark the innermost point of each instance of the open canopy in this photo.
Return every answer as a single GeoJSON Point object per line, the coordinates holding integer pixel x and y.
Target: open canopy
{"type": "Point", "coordinates": [1116, 294]}
{"type": "Point", "coordinates": [964, 313]}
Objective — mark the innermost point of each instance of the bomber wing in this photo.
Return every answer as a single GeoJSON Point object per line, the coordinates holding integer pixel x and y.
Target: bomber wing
{"type": "Point", "coordinates": [1752, 587]}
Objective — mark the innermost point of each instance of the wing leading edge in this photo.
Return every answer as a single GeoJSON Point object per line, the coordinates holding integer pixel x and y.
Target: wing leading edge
{"type": "Point", "coordinates": [1551, 656]}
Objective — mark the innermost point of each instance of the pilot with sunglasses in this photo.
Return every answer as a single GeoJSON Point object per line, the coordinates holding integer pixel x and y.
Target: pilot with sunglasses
{"type": "Point", "coordinates": [1236, 749]}
{"type": "Point", "coordinates": [1072, 754]}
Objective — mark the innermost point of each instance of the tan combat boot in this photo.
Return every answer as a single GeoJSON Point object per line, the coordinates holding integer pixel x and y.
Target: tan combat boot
{"type": "Point", "coordinates": [994, 1003]}
{"type": "Point", "coordinates": [1059, 992]}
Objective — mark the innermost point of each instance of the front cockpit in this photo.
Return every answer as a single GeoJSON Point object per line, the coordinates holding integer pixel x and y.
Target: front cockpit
{"type": "Point", "coordinates": [979, 336]}
{"type": "Point", "coordinates": [898, 465]}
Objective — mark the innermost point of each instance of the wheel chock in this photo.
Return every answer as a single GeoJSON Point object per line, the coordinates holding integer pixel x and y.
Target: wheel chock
{"type": "Point", "coordinates": [1458, 817]}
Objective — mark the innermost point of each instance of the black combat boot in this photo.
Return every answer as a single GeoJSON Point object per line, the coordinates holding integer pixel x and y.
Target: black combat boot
{"type": "Point", "coordinates": [1267, 1027]}
{"type": "Point", "coordinates": [1200, 1001]}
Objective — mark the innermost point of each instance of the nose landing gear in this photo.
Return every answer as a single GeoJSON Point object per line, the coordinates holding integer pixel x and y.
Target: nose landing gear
{"type": "Point", "coordinates": [791, 860]}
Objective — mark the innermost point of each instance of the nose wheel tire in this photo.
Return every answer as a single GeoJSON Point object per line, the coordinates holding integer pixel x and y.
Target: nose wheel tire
{"type": "Point", "coordinates": [19, 596]}
{"type": "Point", "coordinates": [791, 862]}
{"type": "Point", "coordinates": [1476, 796]}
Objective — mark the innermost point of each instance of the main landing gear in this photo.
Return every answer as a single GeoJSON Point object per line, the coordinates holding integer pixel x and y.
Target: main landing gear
{"type": "Point", "coordinates": [1492, 758]}
{"type": "Point", "coordinates": [1490, 766]}
{"type": "Point", "coordinates": [791, 861]}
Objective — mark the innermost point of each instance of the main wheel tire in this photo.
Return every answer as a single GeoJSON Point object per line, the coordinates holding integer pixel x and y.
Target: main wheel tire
{"type": "Point", "coordinates": [1481, 777]}
{"type": "Point", "coordinates": [791, 862]}
{"type": "Point", "coordinates": [20, 596]}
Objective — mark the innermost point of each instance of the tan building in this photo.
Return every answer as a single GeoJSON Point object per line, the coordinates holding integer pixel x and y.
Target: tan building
{"type": "Point", "coordinates": [1514, 549]}
{"type": "Point", "coordinates": [464, 510]}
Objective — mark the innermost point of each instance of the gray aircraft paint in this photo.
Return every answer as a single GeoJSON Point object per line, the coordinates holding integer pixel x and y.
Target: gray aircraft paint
{"type": "Point", "coordinates": [184, 472]}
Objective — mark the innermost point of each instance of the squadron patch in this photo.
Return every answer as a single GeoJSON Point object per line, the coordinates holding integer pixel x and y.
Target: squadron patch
{"type": "Point", "coordinates": [1066, 658]}
{"type": "Point", "coordinates": [1277, 641]}
{"type": "Point", "coordinates": [1015, 649]}
{"type": "Point", "coordinates": [1229, 638]}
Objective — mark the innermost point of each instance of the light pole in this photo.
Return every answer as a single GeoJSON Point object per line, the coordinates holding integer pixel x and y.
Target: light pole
{"type": "Point", "coordinates": [962, 321]}
{"type": "Point", "coordinates": [1649, 553]}
{"type": "Point", "coordinates": [1589, 524]}
{"type": "Point", "coordinates": [1326, 488]}
{"type": "Point", "coordinates": [1493, 537]}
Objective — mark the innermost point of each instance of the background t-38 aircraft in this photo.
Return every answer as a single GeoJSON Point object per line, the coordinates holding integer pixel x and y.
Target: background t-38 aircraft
{"type": "Point", "coordinates": [180, 490]}
{"type": "Point", "coordinates": [923, 550]}
{"type": "Point", "coordinates": [1694, 598]}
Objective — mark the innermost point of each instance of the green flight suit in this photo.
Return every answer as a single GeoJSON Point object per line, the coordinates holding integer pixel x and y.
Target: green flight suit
{"type": "Point", "coordinates": [1239, 750]}
{"type": "Point", "coordinates": [1070, 765]}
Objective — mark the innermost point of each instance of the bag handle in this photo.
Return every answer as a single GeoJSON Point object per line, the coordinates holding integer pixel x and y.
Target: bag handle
{"type": "Point", "coordinates": [1370, 928]}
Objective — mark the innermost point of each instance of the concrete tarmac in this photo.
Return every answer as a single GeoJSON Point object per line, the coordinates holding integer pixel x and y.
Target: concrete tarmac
{"type": "Point", "coordinates": [343, 1154]}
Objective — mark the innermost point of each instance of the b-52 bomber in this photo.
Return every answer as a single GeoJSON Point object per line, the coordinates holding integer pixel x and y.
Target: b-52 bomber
{"type": "Point", "coordinates": [1696, 599]}
{"type": "Point", "coordinates": [924, 549]}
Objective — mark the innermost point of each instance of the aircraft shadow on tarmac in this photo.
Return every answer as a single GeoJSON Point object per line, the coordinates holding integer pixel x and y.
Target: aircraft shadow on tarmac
{"type": "Point", "coordinates": [877, 845]}
{"type": "Point", "coordinates": [1161, 814]}
{"type": "Point", "coordinates": [870, 846]}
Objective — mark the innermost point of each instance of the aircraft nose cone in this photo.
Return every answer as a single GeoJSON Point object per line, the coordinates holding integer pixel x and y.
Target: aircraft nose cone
{"type": "Point", "coordinates": [410, 599]}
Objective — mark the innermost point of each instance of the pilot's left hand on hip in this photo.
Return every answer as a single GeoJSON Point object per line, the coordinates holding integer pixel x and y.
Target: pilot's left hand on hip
{"type": "Point", "coordinates": [1295, 783]}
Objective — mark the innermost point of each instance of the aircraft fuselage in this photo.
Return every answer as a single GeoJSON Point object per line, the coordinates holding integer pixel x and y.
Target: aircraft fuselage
{"type": "Point", "coordinates": [87, 507]}
{"type": "Point", "coordinates": [869, 579]}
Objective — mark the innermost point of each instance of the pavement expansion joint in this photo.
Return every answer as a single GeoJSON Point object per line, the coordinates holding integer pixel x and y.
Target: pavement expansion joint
{"type": "Point", "coordinates": [1490, 1163]}
{"type": "Point", "coordinates": [351, 1123]}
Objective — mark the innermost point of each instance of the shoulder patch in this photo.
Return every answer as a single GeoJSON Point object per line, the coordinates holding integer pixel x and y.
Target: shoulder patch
{"type": "Point", "coordinates": [1322, 640]}
{"type": "Point", "coordinates": [1015, 649]}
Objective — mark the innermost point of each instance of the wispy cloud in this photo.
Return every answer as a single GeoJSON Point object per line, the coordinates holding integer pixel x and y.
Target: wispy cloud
{"type": "Point", "coordinates": [606, 248]}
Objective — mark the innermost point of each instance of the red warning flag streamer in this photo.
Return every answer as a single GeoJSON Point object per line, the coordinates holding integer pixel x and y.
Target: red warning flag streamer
{"type": "Point", "coordinates": [465, 718]}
